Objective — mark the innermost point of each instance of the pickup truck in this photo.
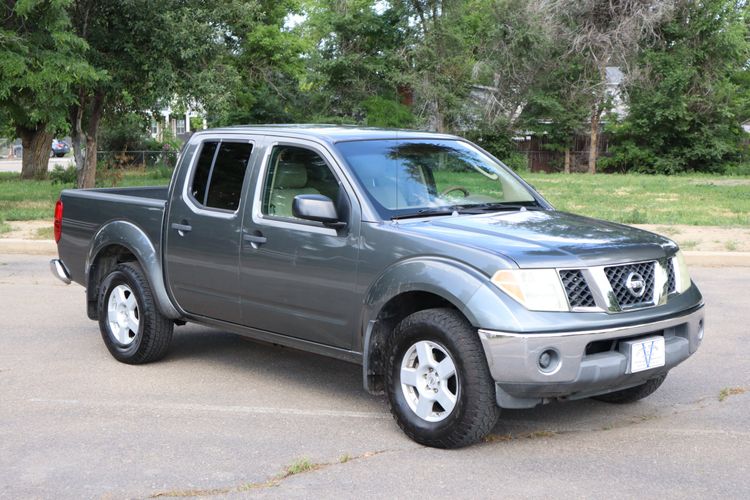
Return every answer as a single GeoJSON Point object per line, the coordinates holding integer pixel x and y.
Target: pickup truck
{"type": "Point", "coordinates": [458, 288]}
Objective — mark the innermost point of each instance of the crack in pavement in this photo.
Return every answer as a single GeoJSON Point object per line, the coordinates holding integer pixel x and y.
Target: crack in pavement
{"type": "Point", "coordinates": [295, 469]}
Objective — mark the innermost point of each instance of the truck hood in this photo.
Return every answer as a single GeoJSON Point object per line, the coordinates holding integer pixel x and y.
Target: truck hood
{"type": "Point", "coordinates": [545, 238]}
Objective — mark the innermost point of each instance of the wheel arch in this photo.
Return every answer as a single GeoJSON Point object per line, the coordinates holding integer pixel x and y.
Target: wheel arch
{"type": "Point", "coordinates": [122, 241]}
{"type": "Point", "coordinates": [405, 288]}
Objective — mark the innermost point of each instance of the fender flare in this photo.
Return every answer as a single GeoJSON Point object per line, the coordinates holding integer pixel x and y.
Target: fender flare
{"type": "Point", "coordinates": [465, 287]}
{"type": "Point", "coordinates": [129, 236]}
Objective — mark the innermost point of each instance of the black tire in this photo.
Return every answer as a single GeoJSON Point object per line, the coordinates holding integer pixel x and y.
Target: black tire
{"type": "Point", "coordinates": [633, 394]}
{"type": "Point", "coordinates": [475, 412]}
{"type": "Point", "coordinates": [151, 341]}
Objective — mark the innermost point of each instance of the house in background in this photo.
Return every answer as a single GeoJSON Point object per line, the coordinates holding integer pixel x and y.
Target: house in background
{"type": "Point", "coordinates": [169, 122]}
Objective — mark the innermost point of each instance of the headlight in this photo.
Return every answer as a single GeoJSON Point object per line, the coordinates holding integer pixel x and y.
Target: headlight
{"type": "Point", "coordinates": [682, 277]}
{"type": "Point", "coordinates": [535, 289]}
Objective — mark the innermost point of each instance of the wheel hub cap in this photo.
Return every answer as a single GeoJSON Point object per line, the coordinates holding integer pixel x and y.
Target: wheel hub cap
{"type": "Point", "coordinates": [429, 381]}
{"type": "Point", "coordinates": [123, 315]}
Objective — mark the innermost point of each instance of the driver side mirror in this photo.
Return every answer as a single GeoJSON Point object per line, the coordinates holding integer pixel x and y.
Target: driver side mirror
{"type": "Point", "coordinates": [318, 208]}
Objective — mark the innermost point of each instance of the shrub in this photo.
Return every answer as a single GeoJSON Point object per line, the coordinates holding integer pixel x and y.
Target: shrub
{"type": "Point", "coordinates": [382, 112]}
{"type": "Point", "coordinates": [62, 175]}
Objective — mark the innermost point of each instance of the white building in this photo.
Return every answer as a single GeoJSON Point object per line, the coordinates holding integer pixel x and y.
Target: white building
{"type": "Point", "coordinates": [170, 122]}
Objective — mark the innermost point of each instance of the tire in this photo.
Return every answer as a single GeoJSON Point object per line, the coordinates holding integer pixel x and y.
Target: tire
{"type": "Point", "coordinates": [439, 335]}
{"type": "Point", "coordinates": [633, 394]}
{"type": "Point", "coordinates": [137, 332]}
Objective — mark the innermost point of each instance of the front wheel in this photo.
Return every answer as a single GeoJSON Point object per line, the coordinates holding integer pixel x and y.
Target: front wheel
{"type": "Point", "coordinates": [132, 327]}
{"type": "Point", "coordinates": [439, 386]}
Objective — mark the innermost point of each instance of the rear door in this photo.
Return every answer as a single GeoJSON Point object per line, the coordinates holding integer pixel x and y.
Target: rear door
{"type": "Point", "coordinates": [204, 223]}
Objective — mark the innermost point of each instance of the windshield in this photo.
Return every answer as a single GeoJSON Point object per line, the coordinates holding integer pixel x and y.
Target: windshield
{"type": "Point", "coordinates": [431, 177]}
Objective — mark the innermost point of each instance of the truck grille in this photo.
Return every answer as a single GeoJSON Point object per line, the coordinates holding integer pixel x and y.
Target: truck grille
{"type": "Point", "coordinates": [641, 279]}
{"type": "Point", "coordinates": [576, 288]}
{"type": "Point", "coordinates": [671, 282]}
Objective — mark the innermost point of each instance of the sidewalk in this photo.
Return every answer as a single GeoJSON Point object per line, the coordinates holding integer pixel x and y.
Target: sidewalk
{"type": "Point", "coordinates": [48, 248]}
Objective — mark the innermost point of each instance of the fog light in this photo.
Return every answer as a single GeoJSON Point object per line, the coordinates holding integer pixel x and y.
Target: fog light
{"type": "Point", "coordinates": [700, 331]}
{"type": "Point", "coordinates": [544, 360]}
{"type": "Point", "coordinates": [549, 361]}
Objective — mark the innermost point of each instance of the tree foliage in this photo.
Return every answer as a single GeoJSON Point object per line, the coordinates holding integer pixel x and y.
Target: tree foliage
{"type": "Point", "coordinates": [41, 63]}
{"type": "Point", "coordinates": [692, 95]}
{"type": "Point", "coordinates": [488, 69]}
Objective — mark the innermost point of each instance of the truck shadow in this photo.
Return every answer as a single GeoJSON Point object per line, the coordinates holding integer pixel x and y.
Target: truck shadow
{"type": "Point", "coordinates": [339, 384]}
{"type": "Point", "coordinates": [253, 361]}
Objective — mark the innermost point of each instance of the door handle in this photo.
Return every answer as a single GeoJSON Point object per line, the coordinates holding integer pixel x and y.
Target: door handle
{"type": "Point", "coordinates": [255, 239]}
{"type": "Point", "coordinates": [182, 228]}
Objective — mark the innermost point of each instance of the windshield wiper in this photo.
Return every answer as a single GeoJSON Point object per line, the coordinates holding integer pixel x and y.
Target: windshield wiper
{"type": "Point", "coordinates": [497, 206]}
{"type": "Point", "coordinates": [427, 212]}
{"type": "Point", "coordinates": [466, 209]}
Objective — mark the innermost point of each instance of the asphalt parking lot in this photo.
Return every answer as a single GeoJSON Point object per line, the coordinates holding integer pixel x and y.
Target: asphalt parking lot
{"type": "Point", "coordinates": [223, 416]}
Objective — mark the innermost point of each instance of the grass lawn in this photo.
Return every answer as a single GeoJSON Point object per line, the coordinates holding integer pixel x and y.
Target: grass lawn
{"type": "Point", "coordinates": [34, 200]}
{"type": "Point", "coordinates": [632, 199]}
{"type": "Point", "coordinates": [699, 200]}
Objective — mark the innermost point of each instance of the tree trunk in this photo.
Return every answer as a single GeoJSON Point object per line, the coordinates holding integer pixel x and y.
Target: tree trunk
{"type": "Point", "coordinates": [439, 121]}
{"type": "Point", "coordinates": [594, 143]}
{"type": "Point", "coordinates": [87, 175]}
{"type": "Point", "coordinates": [37, 144]}
{"type": "Point", "coordinates": [76, 131]}
{"type": "Point", "coordinates": [567, 161]}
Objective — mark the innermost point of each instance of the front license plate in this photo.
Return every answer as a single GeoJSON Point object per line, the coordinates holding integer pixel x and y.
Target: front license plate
{"type": "Point", "coordinates": [646, 354]}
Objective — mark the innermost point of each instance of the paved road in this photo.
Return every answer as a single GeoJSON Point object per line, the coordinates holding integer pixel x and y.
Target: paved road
{"type": "Point", "coordinates": [15, 165]}
{"type": "Point", "coordinates": [225, 416]}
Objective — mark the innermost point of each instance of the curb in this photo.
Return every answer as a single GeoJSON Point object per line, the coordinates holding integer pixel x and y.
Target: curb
{"type": "Point", "coordinates": [28, 247]}
{"type": "Point", "coordinates": [697, 259]}
{"type": "Point", "coordinates": [717, 259]}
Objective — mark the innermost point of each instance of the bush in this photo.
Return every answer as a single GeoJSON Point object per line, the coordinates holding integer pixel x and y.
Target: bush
{"type": "Point", "coordinates": [519, 162]}
{"type": "Point", "coordinates": [123, 132]}
{"type": "Point", "coordinates": [62, 175]}
{"type": "Point", "coordinates": [382, 112]}
{"type": "Point", "coordinates": [737, 169]}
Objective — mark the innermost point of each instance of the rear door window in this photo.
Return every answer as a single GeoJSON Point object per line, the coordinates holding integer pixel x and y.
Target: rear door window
{"type": "Point", "coordinates": [219, 173]}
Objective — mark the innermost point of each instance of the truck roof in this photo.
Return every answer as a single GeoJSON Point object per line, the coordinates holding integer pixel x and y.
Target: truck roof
{"type": "Point", "coordinates": [332, 133]}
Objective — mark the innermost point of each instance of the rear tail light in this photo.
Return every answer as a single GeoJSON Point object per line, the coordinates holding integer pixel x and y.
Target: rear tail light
{"type": "Point", "coordinates": [58, 220]}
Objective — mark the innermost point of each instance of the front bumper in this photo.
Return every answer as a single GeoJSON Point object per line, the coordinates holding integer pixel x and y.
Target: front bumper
{"type": "Point", "coordinates": [585, 363]}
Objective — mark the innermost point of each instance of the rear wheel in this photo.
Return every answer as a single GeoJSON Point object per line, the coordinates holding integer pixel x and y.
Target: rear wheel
{"type": "Point", "coordinates": [633, 394]}
{"type": "Point", "coordinates": [132, 327]}
{"type": "Point", "coordinates": [439, 386]}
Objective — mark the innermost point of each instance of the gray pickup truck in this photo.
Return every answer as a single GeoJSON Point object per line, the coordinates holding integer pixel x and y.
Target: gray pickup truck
{"type": "Point", "coordinates": [455, 285]}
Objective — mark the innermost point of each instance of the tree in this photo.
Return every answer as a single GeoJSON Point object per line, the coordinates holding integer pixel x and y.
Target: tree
{"type": "Point", "coordinates": [556, 109]}
{"type": "Point", "coordinates": [689, 100]}
{"type": "Point", "coordinates": [41, 62]}
{"type": "Point", "coordinates": [603, 33]}
{"type": "Point", "coordinates": [357, 60]}
{"type": "Point", "coordinates": [149, 53]}
{"type": "Point", "coordinates": [266, 56]}
{"type": "Point", "coordinates": [442, 60]}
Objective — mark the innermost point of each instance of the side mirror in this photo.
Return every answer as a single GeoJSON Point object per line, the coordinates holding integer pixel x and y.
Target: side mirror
{"type": "Point", "coordinates": [318, 208]}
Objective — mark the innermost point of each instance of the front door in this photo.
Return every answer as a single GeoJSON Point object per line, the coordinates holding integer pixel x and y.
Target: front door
{"type": "Point", "coordinates": [203, 229]}
{"type": "Point", "coordinates": [297, 277]}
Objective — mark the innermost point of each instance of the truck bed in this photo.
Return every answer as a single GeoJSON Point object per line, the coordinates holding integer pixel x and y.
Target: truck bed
{"type": "Point", "coordinates": [85, 211]}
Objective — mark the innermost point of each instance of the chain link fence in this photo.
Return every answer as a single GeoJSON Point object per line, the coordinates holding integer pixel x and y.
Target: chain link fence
{"type": "Point", "coordinates": [138, 159]}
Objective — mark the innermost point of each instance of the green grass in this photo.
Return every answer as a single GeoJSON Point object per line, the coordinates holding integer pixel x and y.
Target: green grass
{"type": "Point", "coordinates": [699, 200]}
{"type": "Point", "coordinates": [33, 200]}
{"type": "Point", "coordinates": [631, 199]}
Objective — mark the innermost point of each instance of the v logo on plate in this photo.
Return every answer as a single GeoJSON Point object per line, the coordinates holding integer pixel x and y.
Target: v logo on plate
{"type": "Point", "coordinates": [647, 357]}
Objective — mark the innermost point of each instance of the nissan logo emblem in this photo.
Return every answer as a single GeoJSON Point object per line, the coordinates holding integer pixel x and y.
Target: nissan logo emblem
{"type": "Point", "coordinates": [635, 284]}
